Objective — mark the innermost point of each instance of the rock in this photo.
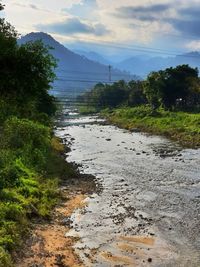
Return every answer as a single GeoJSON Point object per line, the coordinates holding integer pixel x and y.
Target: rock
{"type": "Point", "coordinates": [108, 139]}
{"type": "Point", "coordinates": [59, 260]}
{"type": "Point", "coordinates": [135, 130]}
{"type": "Point", "coordinates": [66, 221]}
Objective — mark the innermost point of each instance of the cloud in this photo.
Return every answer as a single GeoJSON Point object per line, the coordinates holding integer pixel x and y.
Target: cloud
{"type": "Point", "coordinates": [187, 27]}
{"type": "Point", "coordinates": [32, 6]}
{"type": "Point", "coordinates": [189, 12]}
{"type": "Point", "coordinates": [143, 13]}
{"type": "Point", "coordinates": [193, 45]}
{"type": "Point", "coordinates": [74, 26]}
{"type": "Point", "coordinates": [84, 9]}
{"type": "Point", "coordinates": [183, 19]}
{"type": "Point", "coordinates": [187, 21]}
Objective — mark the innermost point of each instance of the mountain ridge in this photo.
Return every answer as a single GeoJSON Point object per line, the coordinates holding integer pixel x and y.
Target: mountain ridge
{"type": "Point", "coordinates": [74, 72]}
{"type": "Point", "coordinates": [143, 66]}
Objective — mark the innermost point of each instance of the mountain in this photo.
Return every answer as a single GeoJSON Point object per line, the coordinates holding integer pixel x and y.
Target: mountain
{"type": "Point", "coordinates": [75, 73]}
{"type": "Point", "coordinates": [94, 56]}
{"type": "Point", "coordinates": [143, 65]}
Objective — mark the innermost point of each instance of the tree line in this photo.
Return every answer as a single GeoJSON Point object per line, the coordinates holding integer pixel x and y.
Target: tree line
{"type": "Point", "coordinates": [171, 89]}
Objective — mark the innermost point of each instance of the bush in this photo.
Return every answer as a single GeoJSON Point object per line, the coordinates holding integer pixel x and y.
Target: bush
{"type": "Point", "coordinates": [29, 140]}
{"type": "Point", "coordinates": [5, 259]}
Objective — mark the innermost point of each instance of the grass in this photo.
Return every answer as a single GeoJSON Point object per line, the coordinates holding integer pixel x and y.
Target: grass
{"type": "Point", "coordinates": [179, 126]}
{"type": "Point", "coordinates": [31, 168]}
{"type": "Point", "coordinates": [86, 110]}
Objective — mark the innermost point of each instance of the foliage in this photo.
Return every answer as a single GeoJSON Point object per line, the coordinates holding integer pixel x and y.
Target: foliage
{"type": "Point", "coordinates": [30, 166]}
{"type": "Point", "coordinates": [28, 185]}
{"type": "Point", "coordinates": [180, 126]}
{"type": "Point", "coordinates": [26, 74]}
{"type": "Point", "coordinates": [173, 87]}
{"type": "Point", "coordinates": [119, 93]}
{"type": "Point", "coordinates": [30, 140]}
{"type": "Point", "coordinates": [1, 7]}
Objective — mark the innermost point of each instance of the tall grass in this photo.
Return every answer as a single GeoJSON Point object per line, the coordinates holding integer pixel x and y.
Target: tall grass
{"type": "Point", "coordinates": [180, 126]}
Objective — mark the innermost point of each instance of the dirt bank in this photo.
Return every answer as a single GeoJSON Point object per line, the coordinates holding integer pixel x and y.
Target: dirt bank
{"type": "Point", "coordinates": [49, 244]}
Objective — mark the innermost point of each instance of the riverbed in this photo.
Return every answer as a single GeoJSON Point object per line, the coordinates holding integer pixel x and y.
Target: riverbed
{"type": "Point", "coordinates": [147, 209]}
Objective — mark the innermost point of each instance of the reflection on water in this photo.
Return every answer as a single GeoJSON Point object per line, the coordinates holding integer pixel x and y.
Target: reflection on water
{"type": "Point", "coordinates": [148, 211]}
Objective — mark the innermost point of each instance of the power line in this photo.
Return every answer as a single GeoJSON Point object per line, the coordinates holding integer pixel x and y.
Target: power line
{"type": "Point", "coordinates": [114, 73]}
{"type": "Point", "coordinates": [87, 81]}
{"type": "Point", "coordinates": [139, 48]}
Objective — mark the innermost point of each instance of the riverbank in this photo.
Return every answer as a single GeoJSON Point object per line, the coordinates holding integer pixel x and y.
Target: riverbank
{"type": "Point", "coordinates": [33, 168]}
{"type": "Point", "coordinates": [49, 245]}
{"type": "Point", "coordinates": [46, 243]}
{"type": "Point", "coordinates": [179, 126]}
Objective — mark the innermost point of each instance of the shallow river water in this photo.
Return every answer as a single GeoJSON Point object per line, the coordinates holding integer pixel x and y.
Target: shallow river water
{"type": "Point", "coordinates": [147, 209]}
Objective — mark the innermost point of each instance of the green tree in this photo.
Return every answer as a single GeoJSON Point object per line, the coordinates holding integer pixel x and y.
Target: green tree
{"type": "Point", "coordinates": [153, 88]}
{"type": "Point", "coordinates": [172, 87]}
{"type": "Point", "coordinates": [26, 74]}
{"type": "Point", "coordinates": [135, 93]}
{"type": "Point", "coordinates": [1, 6]}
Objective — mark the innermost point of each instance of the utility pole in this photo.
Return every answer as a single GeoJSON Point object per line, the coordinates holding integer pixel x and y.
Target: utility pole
{"type": "Point", "coordinates": [110, 77]}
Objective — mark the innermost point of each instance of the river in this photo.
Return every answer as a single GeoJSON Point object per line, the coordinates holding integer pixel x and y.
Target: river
{"type": "Point", "coordinates": [147, 209]}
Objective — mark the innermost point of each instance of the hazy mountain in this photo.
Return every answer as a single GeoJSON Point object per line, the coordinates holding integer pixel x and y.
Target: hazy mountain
{"type": "Point", "coordinates": [94, 56]}
{"type": "Point", "coordinates": [143, 65]}
{"type": "Point", "coordinates": [75, 73]}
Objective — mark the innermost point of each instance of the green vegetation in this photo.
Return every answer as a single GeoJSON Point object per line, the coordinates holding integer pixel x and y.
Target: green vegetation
{"type": "Point", "coordinates": [173, 88]}
{"type": "Point", "coordinates": [85, 110]}
{"type": "Point", "coordinates": [166, 103]}
{"type": "Point", "coordinates": [31, 165]}
{"type": "Point", "coordinates": [111, 96]}
{"type": "Point", "coordinates": [180, 126]}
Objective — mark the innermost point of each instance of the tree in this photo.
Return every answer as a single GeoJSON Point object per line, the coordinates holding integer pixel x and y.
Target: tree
{"type": "Point", "coordinates": [135, 93]}
{"type": "Point", "coordinates": [171, 86]}
{"type": "Point", "coordinates": [1, 6]}
{"type": "Point", "coordinates": [26, 74]}
{"type": "Point", "coordinates": [153, 88]}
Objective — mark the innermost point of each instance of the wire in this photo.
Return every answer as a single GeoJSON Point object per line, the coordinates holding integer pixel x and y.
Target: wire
{"type": "Point", "coordinates": [114, 73]}
{"type": "Point", "coordinates": [87, 81]}
{"type": "Point", "coordinates": [138, 48]}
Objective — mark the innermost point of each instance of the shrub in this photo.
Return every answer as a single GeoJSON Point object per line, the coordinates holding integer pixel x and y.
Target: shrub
{"type": "Point", "coordinates": [29, 140]}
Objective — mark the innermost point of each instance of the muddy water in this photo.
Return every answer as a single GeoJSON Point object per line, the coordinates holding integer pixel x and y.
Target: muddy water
{"type": "Point", "coordinates": [147, 212]}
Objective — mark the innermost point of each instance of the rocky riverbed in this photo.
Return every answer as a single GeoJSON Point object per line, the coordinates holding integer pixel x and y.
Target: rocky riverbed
{"type": "Point", "coordinates": [147, 212]}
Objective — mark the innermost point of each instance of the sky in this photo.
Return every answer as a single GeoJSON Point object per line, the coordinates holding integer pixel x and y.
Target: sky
{"type": "Point", "coordinates": [112, 27]}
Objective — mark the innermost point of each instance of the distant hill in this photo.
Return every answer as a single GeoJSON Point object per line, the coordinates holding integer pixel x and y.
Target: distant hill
{"type": "Point", "coordinates": [94, 56]}
{"type": "Point", "coordinates": [75, 73]}
{"type": "Point", "coordinates": [142, 66]}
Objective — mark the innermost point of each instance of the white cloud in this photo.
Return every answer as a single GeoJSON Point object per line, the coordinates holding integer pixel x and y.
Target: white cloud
{"type": "Point", "coordinates": [25, 14]}
{"type": "Point", "coordinates": [193, 45]}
